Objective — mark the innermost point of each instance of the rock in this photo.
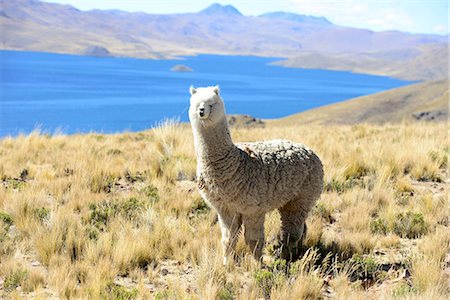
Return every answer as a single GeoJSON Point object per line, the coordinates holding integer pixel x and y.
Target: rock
{"type": "Point", "coordinates": [245, 121]}
{"type": "Point", "coordinates": [35, 263]}
{"type": "Point", "coordinates": [13, 232]}
{"type": "Point", "coordinates": [181, 68]}
{"type": "Point", "coordinates": [436, 115]}
{"type": "Point", "coordinates": [164, 272]}
{"type": "Point", "coordinates": [97, 51]}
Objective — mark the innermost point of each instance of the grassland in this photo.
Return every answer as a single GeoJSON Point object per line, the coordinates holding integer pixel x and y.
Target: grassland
{"type": "Point", "coordinates": [118, 217]}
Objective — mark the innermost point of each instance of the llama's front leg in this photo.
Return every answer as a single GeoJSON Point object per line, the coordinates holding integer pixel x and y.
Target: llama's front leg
{"type": "Point", "coordinates": [254, 234]}
{"type": "Point", "coordinates": [230, 225]}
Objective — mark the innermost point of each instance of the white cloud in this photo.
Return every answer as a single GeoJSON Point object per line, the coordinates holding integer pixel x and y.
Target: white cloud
{"type": "Point", "coordinates": [391, 19]}
{"type": "Point", "coordinates": [440, 29]}
{"type": "Point", "coordinates": [377, 15]}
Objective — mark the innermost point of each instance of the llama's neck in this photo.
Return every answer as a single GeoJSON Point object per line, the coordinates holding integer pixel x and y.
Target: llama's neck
{"type": "Point", "coordinates": [213, 143]}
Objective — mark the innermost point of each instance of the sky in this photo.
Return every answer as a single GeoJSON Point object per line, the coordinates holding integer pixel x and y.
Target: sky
{"type": "Point", "coordinates": [416, 16]}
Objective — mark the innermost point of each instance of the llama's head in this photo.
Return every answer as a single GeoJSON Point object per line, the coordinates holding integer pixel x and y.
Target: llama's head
{"type": "Point", "coordinates": [206, 108]}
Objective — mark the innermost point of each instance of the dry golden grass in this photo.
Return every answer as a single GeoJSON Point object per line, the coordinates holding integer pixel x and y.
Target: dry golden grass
{"type": "Point", "coordinates": [118, 216]}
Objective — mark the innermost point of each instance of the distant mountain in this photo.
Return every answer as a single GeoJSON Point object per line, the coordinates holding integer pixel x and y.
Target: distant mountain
{"type": "Point", "coordinates": [418, 102]}
{"type": "Point", "coordinates": [424, 62]}
{"type": "Point", "coordinates": [297, 18]}
{"type": "Point", "coordinates": [217, 9]}
{"type": "Point", "coordinates": [39, 26]}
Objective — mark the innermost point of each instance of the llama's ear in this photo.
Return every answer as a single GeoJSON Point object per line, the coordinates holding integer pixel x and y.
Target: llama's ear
{"type": "Point", "coordinates": [216, 89]}
{"type": "Point", "coordinates": [192, 90]}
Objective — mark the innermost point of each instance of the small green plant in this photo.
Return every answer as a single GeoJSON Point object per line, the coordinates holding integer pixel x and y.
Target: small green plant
{"type": "Point", "coordinates": [199, 207]}
{"type": "Point", "coordinates": [226, 293]}
{"type": "Point", "coordinates": [403, 290]}
{"type": "Point", "coordinates": [16, 184]}
{"type": "Point", "coordinates": [151, 193]}
{"type": "Point", "coordinates": [340, 187]}
{"type": "Point", "coordinates": [42, 213]}
{"type": "Point", "coordinates": [322, 211]}
{"type": "Point", "coordinates": [15, 279]}
{"type": "Point", "coordinates": [92, 232]}
{"type": "Point", "coordinates": [163, 295]}
{"type": "Point", "coordinates": [265, 280]}
{"type": "Point", "coordinates": [102, 183]}
{"type": "Point", "coordinates": [364, 268]}
{"type": "Point", "coordinates": [334, 186]}
{"type": "Point", "coordinates": [131, 207]}
{"type": "Point", "coordinates": [379, 226]}
{"type": "Point", "coordinates": [6, 218]}
{"type": "Point", "coordinates": [117, 292]}
{"type": "Point", "coordinates": [113, 152]}
{"type": "Point", "coordinates": [410, 225]}
{"type": "Point", "coordinates": [101, 213]}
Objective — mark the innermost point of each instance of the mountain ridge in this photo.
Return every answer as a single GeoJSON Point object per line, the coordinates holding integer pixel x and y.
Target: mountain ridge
{"type": "Point", "coordinates": [41, 26]}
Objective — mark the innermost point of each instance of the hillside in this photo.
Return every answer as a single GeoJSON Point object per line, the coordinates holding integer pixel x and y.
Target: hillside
{"type": "Point", "coordinates": [40, 26]}
{"type": "Point", "coordinates": [424, 101]}
{"type": "Point", "coordinates": [424, 62]}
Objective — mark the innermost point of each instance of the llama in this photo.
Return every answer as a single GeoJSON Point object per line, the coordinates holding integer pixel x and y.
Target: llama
{"type": "Point", "coordinates": [244, 181]}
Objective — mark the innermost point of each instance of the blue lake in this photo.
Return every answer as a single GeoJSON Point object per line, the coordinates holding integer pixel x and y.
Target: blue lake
{"type": "Point", "coordinates": [81, 94]}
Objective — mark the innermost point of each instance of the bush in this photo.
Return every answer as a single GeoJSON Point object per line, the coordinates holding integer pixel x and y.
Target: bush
{"type": "Point", "coordinates": [151, 193]}
{"type": "Point", "coordinates": [199, 207]}
{"type": "Point", "coordinates": [6, 218]}
{"type": "Point", "coordinates": [42, 213]}
{"type": "Point", "coordinates": [13, 280]}
{"type": "Point", "coordinates": [364, 268]}
{"type": "Point", "coordinates": [265, 281]}
{"type": "Point", "coordinates": [226, 293]}
{"type": "Point", "coordinates": [101, 213]}
{"type": "Point", "coordinates": [379, 226]}
{"type": "Point", "coordinates": [410, 225]}
{"type": "Point", "coordinates": [117, 292]}
{"type": "Point", "coordinates": [322, 211]}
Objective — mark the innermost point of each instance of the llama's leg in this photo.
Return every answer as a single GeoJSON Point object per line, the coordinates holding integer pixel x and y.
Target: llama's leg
{"type": "Point", "coordinates": [230, 225]}
{"type": "Point", "coordinates": [293, 229]}
{"type": "Point", "coordinates": [254, 234]}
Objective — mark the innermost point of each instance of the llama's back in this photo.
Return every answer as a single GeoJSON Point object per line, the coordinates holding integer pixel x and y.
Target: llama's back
{"type": "Point", "coordinates": [283, 169]}
{"type": "Point", "coordinates": [279, 151]}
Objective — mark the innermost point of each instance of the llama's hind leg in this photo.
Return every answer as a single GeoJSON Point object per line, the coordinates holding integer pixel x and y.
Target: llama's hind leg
{"type": "Point", "coordinates": [254, 234]}
{"type": "Point", "coordinates": [230, 226]}
{"type": "Point", "coordinates": [293, 229]}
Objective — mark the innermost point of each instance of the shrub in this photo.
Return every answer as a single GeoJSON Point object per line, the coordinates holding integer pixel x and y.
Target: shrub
{"type": "Point", "coordinates": [114, 152]}
{"type": "Point", "coordinates": [117, 292]}
{"type": "Point", "coordinates": [151, 193]}
{"type": "Point", "coordinates": [226, 293]}
{"type": "Point", "coordinates": [131, 207]}
{"type": "Point", "coordinates": [265, 280]}
{"type": "Point", "coordinates": [6, 218]}
{"type": "Point", "coordinates": [410, 225]}
{"type": "Point", "coordinates": [199, 207]}
{"type": "Point", "coordinates": [379, 226]}
{"type": "Point", "coordinates": [16, 184]}
{"type": "Point", "coordinates": [101, 213]}
{"type": "Point", "coordinates": [13, 280]}
{"type": "Point", "coordinates": [323, 211]}
{"type": "Point", "coordinates": [42, 213]}
{"type": "Point", "coordinates": [363, 268]}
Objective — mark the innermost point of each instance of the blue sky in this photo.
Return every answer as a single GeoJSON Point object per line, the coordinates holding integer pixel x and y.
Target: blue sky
{"type": "Point", "coordinates": [417, 16]}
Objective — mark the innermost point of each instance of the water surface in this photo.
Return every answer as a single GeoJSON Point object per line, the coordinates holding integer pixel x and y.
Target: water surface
{"type": "Point", "coordinates": [81, 94]}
